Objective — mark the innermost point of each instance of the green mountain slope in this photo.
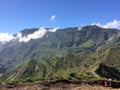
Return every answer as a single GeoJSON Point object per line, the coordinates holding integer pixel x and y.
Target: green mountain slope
{"type": "Point", "coordinates": [61, 53]}
{"type": "Point", "coordinates": [29, 68]}
{"type": "Point", "coordinates": [95, 64]}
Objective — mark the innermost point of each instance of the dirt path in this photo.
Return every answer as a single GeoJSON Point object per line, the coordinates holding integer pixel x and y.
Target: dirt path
{"type": "Point", "coordinates": [72, 87]}
{"type": "Point", "coordinates": [62, 85]}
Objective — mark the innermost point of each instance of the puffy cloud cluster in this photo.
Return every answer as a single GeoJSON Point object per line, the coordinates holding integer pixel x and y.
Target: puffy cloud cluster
{"type": "Point", "coordinates": [38, 34]}
{"type": "Point", "coordinates": [113, 24]}
{"type": "Point", "coordinates": [5, 37]}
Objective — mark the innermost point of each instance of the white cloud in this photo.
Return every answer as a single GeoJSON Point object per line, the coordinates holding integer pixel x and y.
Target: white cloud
{"type": "Point", "coordinates": [52, 18]}
{"type": "Point", "coordinates": [79, 28]}
{"type": "Point", "coordinates": [98, 24]}
{"type": "Point", "coordinates": [53, 30]}
{"type": "Point", "coordinates": [36, 35]}
{"type": "Point", "coordinates": [6, 37]}
{"type": "Point", "coordinates": [113, 24]}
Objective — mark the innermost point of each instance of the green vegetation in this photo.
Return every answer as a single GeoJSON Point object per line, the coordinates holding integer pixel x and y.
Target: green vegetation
{"type": "Point", "coordinates": [29, 79]}
{"type": "Point", "coordinates": [69, 66]}
{"type": "Point", "coordinates": [85, 76]}
{"type": "Point", "coordinates": [69, 53]}
{"type": "Point", "coordinates": [72, 76]}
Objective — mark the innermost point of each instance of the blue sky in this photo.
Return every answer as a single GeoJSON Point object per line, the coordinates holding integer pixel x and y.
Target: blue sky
{"type": "Point", "coordinates": [16, 15]}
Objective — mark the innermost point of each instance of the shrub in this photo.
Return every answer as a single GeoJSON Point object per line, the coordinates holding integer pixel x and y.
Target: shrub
{"type": "Point", "coordinates": [39, 79]}
{"type": "Point", "coordinates": [85, 76]}
{"type": "Point", "coordinates": [29, 79]}
{"type": "Point", "coordinates": [69, 78]}
{"type": "Point", "coordinates": [73, 75]}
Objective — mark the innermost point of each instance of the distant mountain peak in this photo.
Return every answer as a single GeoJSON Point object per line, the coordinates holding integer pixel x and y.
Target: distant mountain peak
{"type": "Point", "coordinates": [36, 33]}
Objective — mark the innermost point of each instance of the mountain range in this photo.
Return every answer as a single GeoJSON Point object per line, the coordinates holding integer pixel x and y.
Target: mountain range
{"type": "Point", "coordinates": [75, 52]}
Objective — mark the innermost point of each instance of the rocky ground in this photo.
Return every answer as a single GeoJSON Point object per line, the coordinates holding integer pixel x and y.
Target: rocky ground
{"type": "Point", "coordinates": [62, 85]}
